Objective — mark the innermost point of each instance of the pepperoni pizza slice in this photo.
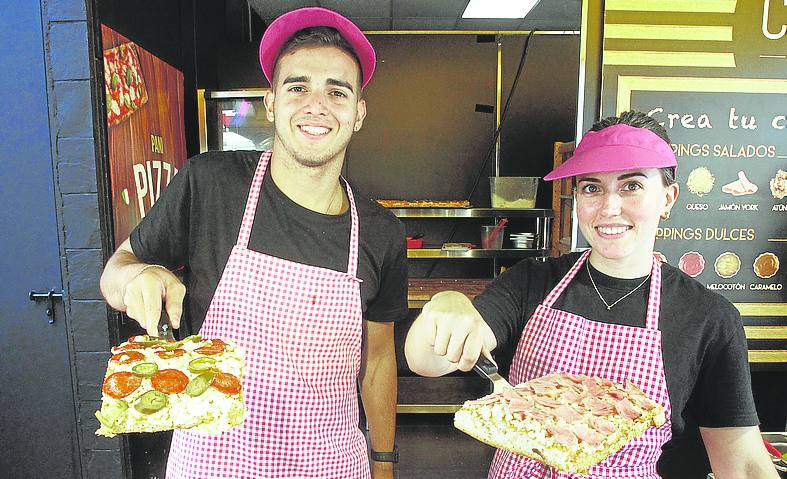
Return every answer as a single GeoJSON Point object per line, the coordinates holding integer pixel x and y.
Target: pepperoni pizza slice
{"type": "Point", "coordinates": [157, 385]}
{"type": "Point", "coordinates": [568, 422]}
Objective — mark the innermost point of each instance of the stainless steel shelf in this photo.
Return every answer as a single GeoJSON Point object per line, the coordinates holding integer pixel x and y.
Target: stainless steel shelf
{"type": "Point", "coordinates": [437, 253]}
{"type": "Point", "coordinates": [471, 213]}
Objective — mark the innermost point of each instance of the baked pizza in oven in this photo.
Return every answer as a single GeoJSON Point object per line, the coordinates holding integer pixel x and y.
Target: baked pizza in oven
{"type": "Point", "coordinates": [568, 422]}
{"type": "Point", "coordinates": [157, 385]}
{"type": "Point", "coordinates": [424, 203]}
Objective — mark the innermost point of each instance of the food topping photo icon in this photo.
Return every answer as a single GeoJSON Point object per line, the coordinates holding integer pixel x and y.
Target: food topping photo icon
{"type": "Point", "coordinates": [779, 185]}
{"type": "Point", "coordinates": [727, 265]}
{"type": "Point", "coordinates": [692, 263]}
{"type": "Point", "coordinates": [766, 265]}
{"type": "Point", "coordinates": [700, 181]}
{"type": "Point", "coordinates": [741, 186]}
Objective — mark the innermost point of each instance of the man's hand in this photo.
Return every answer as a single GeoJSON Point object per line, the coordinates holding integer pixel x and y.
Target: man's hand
{"type": "Point", "coordinates": [139, 289]}
{"type": "Point", "coordinates": [448, 335]}
{"type": "Point", "coordinates": [382, 470]}
{"type": "Point", "coordinates": [145, 293]}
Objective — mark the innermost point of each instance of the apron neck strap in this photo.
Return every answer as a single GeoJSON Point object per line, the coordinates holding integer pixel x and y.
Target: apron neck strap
{"type": "Point", "coordinates": [654, 298]}
{"type": "Point", "coordinates": [561, 286]}
{"type": "Point", "coordinates": [352, 260]}
{"type": "Point", "coordinates": [252, 200]}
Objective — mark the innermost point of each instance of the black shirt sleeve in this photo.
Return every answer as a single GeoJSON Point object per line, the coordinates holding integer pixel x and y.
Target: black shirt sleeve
{"type": "Point", "coordinates": [390, 303]}
{"type": "Point", "coordinates": [162, 237]}
{"type": "Point", "coordinates": [501, 306]}
{"type": "Point", "coordinates": [722, 396]}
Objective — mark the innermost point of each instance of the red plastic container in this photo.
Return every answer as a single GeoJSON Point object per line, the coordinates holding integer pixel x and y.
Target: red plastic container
{"type": "Point", "coordinates": [414, 243]}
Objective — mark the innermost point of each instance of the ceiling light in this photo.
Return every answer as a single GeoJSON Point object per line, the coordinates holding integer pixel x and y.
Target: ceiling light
{"type": "Point", "coordinates": [498, 8]}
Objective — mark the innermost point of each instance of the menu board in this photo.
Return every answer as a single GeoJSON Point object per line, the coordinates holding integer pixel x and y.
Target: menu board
{"type": "Point", "coordinates": [713, 74]}
{"type": "Point", "coordinates": [728, 228]}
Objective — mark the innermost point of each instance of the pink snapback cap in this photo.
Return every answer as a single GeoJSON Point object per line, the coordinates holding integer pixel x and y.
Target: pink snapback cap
{"type": "Point", "coordinates": [281, 29]}
{"type": "Point", "coordinates": [618, 147]}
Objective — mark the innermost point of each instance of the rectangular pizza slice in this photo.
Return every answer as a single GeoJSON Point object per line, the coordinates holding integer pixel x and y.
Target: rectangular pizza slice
{"type": "Point", "coordinates": [123, 82]}
{"type": "Point", "coordinates": [568, 422]}
{"type": "Point", "coordinates": [156, 385]}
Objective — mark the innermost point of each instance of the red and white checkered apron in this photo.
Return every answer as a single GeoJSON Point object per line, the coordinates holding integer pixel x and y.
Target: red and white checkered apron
{"type": "Point", "coordinates": [301, 327]}
{"type": "Point", "coordinates": [557, 341]}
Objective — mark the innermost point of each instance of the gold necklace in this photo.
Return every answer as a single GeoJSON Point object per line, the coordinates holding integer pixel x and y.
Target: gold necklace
{"type": "Point", "coordinates": [609, 306]}
{"type": "Point", "coordinates": [333, 197]}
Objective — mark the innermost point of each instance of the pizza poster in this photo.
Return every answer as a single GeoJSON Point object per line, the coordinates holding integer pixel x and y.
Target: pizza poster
{"type": "Point", "coordinates": [714, 74]}
{"type": "Point", "coordinates": [145, 128]}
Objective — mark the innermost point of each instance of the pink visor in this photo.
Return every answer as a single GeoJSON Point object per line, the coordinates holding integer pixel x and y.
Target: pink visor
{"type": "Point", "coordinates": [616, 148]}
{"type": "Point", "coordinates": [281, 29]}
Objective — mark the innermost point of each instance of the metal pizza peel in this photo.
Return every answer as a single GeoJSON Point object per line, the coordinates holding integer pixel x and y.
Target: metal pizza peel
{"type": "Point", "coordinates": [486, 368]}
{"type": "Point", "coordinates": [164, 326]}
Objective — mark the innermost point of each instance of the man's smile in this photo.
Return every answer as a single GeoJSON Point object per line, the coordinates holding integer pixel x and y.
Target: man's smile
{"type": "Point", "coordinates": [314, 130]}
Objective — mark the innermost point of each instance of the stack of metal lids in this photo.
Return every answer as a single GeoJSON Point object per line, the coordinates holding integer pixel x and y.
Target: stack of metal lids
{"type": "Point", "coordinates": [523, 240]}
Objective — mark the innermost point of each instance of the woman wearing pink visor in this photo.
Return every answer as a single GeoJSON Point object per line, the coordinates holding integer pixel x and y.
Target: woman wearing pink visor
{"type": "Point", "coordinates": [630, 316]}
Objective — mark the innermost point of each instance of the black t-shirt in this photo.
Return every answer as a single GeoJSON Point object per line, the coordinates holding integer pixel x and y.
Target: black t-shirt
{"type": "Point", "coordinates": [703, 343]}
{"type": "Point", "coordinates": [195, 223]}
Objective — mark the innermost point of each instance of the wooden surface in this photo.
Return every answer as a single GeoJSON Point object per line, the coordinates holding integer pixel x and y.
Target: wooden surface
{"type": "Point", "coordinates": [130, 140]}
{"type": "Point", "coordinates": [422, 289]}
{"type": "Point", "coordinates": [562, 202]}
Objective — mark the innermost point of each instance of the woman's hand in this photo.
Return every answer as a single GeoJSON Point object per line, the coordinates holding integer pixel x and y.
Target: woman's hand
{"type": "Point", "coordinates": [449, 334]}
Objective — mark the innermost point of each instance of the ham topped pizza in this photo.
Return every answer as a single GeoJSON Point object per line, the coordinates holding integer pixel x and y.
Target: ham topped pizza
{"type": "Point", "coordinates": [157, 385]}
{"type": "Point", "coordinates": [568, 422]}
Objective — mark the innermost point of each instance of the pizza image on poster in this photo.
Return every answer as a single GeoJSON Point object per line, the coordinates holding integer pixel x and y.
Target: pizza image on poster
{"type": "Point", "coordinates": [123, 82]}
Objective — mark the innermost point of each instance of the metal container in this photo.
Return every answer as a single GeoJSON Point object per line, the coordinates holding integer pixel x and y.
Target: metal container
{"type": "Point", "coordinates": [513, 191]}
{"type": "Point", "coordinates": [523, 240]}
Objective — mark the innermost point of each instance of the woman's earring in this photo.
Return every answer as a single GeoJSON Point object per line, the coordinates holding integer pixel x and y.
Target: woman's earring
{"type": "Point", "coordinates": [665, 215]}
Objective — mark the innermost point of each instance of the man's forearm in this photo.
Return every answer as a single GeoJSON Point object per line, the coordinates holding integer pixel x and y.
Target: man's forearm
{"type": "Point", "coordinates": [378, 389]}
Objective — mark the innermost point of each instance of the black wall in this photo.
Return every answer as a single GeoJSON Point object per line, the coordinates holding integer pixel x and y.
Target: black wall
{"type": "Point", "coordinates": [166, 28]}
{"type": "Point", "coordinates": [423, 137]}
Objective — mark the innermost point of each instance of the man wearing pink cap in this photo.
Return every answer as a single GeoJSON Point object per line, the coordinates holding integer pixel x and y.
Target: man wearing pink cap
{"type": "Point", "coordinates": [625, 315]}
{"type": "Point", "coordinates": [283, 259]}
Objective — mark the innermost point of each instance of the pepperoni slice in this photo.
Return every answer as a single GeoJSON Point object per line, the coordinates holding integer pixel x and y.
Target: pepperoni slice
{"type": "Point", "coordinates": [127, 357]}
{"type": "Point", "coordinates": [171, 354]}
{"type": "Point", "coordinates": [169, 381]}
{"type": "Point", "coordinates": [216, 347]}
{"type": "Point", "coordinates": [226, 383]}
{"type": "Point", "coordinates": [129, 346]}
{"type": "Point", "coordinates": [121, 384]}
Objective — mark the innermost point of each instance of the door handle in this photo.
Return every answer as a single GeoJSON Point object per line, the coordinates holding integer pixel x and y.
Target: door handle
{"type": "Point", "coordinates": [50, 297]}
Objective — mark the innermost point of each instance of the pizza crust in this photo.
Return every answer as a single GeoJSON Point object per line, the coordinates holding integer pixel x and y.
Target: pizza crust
{"type": "Point", "coordinates": [494, 421]}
